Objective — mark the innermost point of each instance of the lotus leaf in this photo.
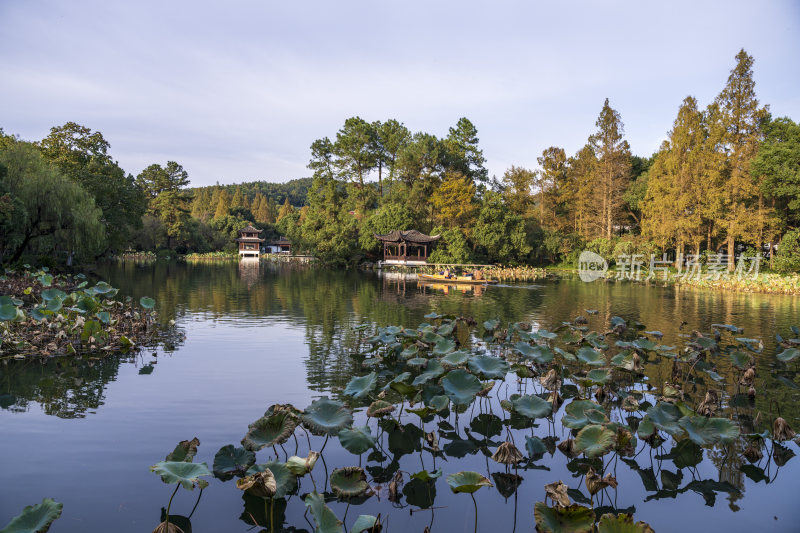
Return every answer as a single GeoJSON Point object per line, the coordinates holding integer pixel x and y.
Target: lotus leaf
{"type": "Point", "coordinates": [420, 493]}
{"type": "Point", "coordinates": [8, 312]}
{"type": "Point", "coordinates": [349, 481]}
{"type": "Point", "coordinates": [260, 484]}
{"type": "Point", "coordinates": [269, 431]}
{"type": "Point", "coordinates": [35, 518]}
{"type": "Point", "coordinates": [599, 376]}
{"type": "Point", "coordinates": [579, 413]}
{"type": "Point", "coordinates": [438, 402]}
{"type": "Point", "coordinates": [230, 461]}
{"type": "Point", "coordinates": [645, 345]}
{"type": "Point", "coordinates": [446, 329]}
{"type": "Point", "coordinates": [444, 346]}
{"type": "Point", "coordinates": [366, 524]}
{"type": "Point", "coordinates": [621, 523]}
{"type": "Point", "coordinates": [323, 516]}
{"type": "Point", "coordinates": [788, 354]}
{"type": "Point", "coordinates": [489, 367]}
{"type": "Point", "coordinates": [491, 325]}
{"type": "Point", "coordinates": [467, 481]}
{"type": "Point", "coordinates": [300, 466]}
{"type": "Point", "coordinates": [433, 370]}
{"type": "Point", "coordinates": [184, 451]}
{"type": "Point", "coordinates": [327, 416]}
{"type": "Point", "coordinates": [399, 384]}
{"type": "Point", "coordinates": [410, 352]}
{"type": "Point", "coordinates": [740, 360]}
{"type": "Point", "coordinates": [487, 425]}
{"type": "Point", "coordinates": [187, 474]}
{"type": "Point", "coordinates": [404, 439]}
{"type": "Point", "coordinates": [379, 408]}
{"type": "Point", "coordinates": [571, 519]}
{"type": "Point", "coordinates": [417, 361]}
{"type": "Point", "coordinates": [665, 416]}
{"type": "Point", "coordinates": [532, 406]}
{"type": "Point", "coordinates": [540, 354]}
{"type": "Point", "coordinates": [507, 484]}
{"type": "Point", "coordinates": [461, 386]}
{"type": "Point", "coordinates": [456, 358]}
{"type": "Point", "coordinates": [590, 356]}
{"type": "Point", "coordinates": [361, 386]}
{"type": "Point", "coordinates": [706, 431]}
{"type": "Point", "coordinates": [426, 476]}
{"type": "Point", "coordinates": [594, 440]}
{"type": "Point", "coordinates": [357, 440]}
{"type": "Point", "coordinates": [534, 446]}
{"type": "Point", "coordinates": [285, 480]}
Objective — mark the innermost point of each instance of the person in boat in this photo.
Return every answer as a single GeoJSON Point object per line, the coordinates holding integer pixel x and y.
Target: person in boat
{"type": "Point", "coordinates": [447, 274]}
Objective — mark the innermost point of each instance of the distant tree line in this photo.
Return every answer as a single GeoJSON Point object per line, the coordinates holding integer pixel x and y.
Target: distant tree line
{"type": "Point", "coordinates": [727, 178]}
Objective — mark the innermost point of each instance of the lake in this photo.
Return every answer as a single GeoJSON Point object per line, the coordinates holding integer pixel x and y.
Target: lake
{"type": "Point", "coordinates": [85, 431]}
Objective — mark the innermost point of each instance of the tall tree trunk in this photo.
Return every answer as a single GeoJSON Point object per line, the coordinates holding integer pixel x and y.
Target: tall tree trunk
{"type": "Point", "coordinates": [731, 253]}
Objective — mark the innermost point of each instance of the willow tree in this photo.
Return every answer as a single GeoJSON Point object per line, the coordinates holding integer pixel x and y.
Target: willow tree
{"type": "Point", "coordinates": [672, 210]}
{"type": "Point", "coordinates": [612, 171]}
{"type": "Point", "coordinates": [44, 212]}
{"type": "Point", "coordinates": [736, 128]}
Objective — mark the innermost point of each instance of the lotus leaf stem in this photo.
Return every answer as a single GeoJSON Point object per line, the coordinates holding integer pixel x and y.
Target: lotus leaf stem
{"type": "Point", "coordinates": [324, 444]}
{"type": "Point", "coordinates": [195, 503]}
{"type": "Point", "coordinates": [475, 504]}
{"type": "Point", "coordinates": [169, 505]}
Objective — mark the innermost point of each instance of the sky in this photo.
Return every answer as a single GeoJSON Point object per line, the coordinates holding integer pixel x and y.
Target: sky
{"type": "Point", "coordinates": [237, 91]}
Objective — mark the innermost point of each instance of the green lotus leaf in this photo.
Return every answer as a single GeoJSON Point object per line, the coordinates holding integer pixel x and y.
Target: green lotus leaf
{"type": "Point", "coordinates": [467, 481]}
{"type": "Point", "coordinates": [645, 345]}
{"type": "Point", "coordinates": [665, 416]}
{"type": "Point", "coordinates": [35, 518]}
{"type": "Point", "coordinates": [8, 312]}
{"type": "Point", "coordinates": [532, 406]}
{"type": "Point", "coordinates": [55, 304]}
{"type": "Point", "coordinates": [590, 356]}
{"type": "Point", "coordinates": [444, 346]}
{"type": "Point", "coordinates": [47, 280]}
{"type": "Point", "coordinates": [438, 402]}
{"type": "Point", "coordinates": [461, 386]}
{"type": "Point", "coordinates": [399, 385]}
{"type": "Point", "coordinates": [361, 386]}
{"type": "Point", "coordinates": [323, 516]}
{"type": "Point", "coordinates": [705, 431]}
{"type": "Point", "coordinates": [572, 519]}
{"type": "Point", "coordinates": [269, 431]}
{"type": "Point", "coordinates": [300, 466]}
{"type": "Point", "coordinates": [788, 354]}
{"type": "Point", "coordinates": [579, 413]}
{"type": "Point", "coordinates": [433, 315]}
{"type": "Point", "coordinates": [184, 451]}
{"type": "Point", "coordinates": [491, 325]}
{"type": "Point", "coordinates": [410, 352]}
{"type": "Point", "coordinates": [446, 329]}
{"type": "Point", "coordinates": [489, 367]}
{"type": "Point", "coordinates": [349, 481]}
{"type": "Point", "coordinates": [456, 358]}
{"type": "Point", "coordinates": [621, 523]}
{"type": "Point", "coordinates": [540, 354]}
{"type": "Point", "coordinates": [535, 446]}
{"type": "Point", "coordinates": [187, 474]}
{"type": "Point", "coordinates": [430, 337]}
{"type": "Point", "coordinates": [595, 440]}
{"type": "Point", "coordinates": [379, 408]}
{"type": "Point", "coordinates": [740, 360]}
{"type": "Point", "coordinates": [40, 313]}
{"type": "Point", "coordinates": [366, 523]}
{"type": "Point", "coordinates": [230, 461]}
{"type": "Point", "coordinates": [101, 287]}
{"type": "Point", "coordinates": [599, 376]}
{"type": "Point", "coordinates": [53, 294]}
{"type": "Point", "coordinates": [327, 416]}
{"type": "Point", "coordinates": [357, 440]}
{"type": "Point", "coordinates": [426, 476]}
{"type": "Point", "coordinates": [432, 371]}
{"type": "Point", "coordinates": [147, 302]}
{"type": "Point", "coordinates": [417, 361]}
{"type": "Point", "coordinates": [285, 480]}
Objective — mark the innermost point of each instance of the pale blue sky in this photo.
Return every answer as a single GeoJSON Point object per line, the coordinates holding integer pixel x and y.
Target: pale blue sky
{"type": "Point", "coordinates": [237, 91]}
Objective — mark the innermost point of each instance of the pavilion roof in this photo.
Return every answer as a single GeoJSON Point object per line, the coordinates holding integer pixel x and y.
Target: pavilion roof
{"type": "Point", "coordinates": [250, 229]}
{"type": "Point", "coordinates": [407, 236]}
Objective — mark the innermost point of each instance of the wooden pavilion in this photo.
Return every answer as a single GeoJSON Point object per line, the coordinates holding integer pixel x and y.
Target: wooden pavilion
{"type": "Point", "coordinates": [406, 247]}
{"type": "Point", "coordinates": [249, 241]}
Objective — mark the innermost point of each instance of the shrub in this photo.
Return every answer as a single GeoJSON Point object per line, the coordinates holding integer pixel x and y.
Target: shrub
{"type": "Point", "coordinates": [788, 256]}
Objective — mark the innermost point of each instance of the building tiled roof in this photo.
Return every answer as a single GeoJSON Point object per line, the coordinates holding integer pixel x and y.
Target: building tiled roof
{"type": "Point", "coordinates": [250, 229]}
{"type": "Point", "coordinates": [407, 236]}
{"type": "Point", "coordinates": [249, 239]}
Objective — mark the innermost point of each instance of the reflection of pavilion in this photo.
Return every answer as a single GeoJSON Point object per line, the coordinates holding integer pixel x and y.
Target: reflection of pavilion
{"type": "Point", "coordinates": [249, 270]}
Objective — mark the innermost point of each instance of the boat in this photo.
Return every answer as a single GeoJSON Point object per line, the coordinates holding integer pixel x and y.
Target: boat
{"type": "Point", "coordinates": [441, 278]}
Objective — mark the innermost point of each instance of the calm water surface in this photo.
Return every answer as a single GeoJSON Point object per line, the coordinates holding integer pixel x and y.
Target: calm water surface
{"type": "Point", "coordinates": [85, 432]}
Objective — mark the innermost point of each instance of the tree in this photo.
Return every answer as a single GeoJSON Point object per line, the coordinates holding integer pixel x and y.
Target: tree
{"type": "Point", "coordinates": [551, 179]}
{"type": "Point", "coordinates": [389, 217]}
{"type": "Point", "coordinates": [223, 205]}
{"type": "Point", "coordinates": [517, 186]}
{"type": "Point", "coordinates": [453, 203]}
{"type": "Point", "coordinates": [43, 210]}
{"type": "Point", "coordinates": [354, 150]}
{"type": "Point", "coordinates": [169, 200]}
{"type": "Point", "coordinates": [328, 230]}
{"type": "Point", "coordinates": [579, 193]}
{"type": "Point", "coordinates": [285, 210]}
{"type": "Point", "coordinates": [500, 232]}
{"type": "Point", "coordinates": [777, 165]}
{"type": "Point", "coordinates": [737, 120]}
{"type": "Point", "coordinates": [612, 171]}
{"type": "Point", "coordinates": [82, 156]}
{"type": "Point", "coordinates": [463, 152]}
{"type": "Point", "coordinates": [391, 137]}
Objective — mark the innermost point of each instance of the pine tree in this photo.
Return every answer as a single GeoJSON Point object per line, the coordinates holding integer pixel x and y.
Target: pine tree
{"type": "Point", "coordinates": [223, 204]}
{"type": "Point", "coordinates": [612, 172]}
{"type": "Point", "coordinates": [286, 209]}
{"type": "Point", "coordinates": [238, 198]}
{"type": "Point", "coordinates": [551, 178]}
{"type": "Point", "coordinates": [579, 192]}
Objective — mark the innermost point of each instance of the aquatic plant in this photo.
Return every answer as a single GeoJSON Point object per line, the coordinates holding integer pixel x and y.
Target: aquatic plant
{"type": "Point", "coordinates": [35, 518]}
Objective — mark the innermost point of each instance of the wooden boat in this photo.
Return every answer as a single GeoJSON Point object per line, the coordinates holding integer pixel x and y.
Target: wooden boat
{"type": "Point", "coordinates": [440, 278]}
